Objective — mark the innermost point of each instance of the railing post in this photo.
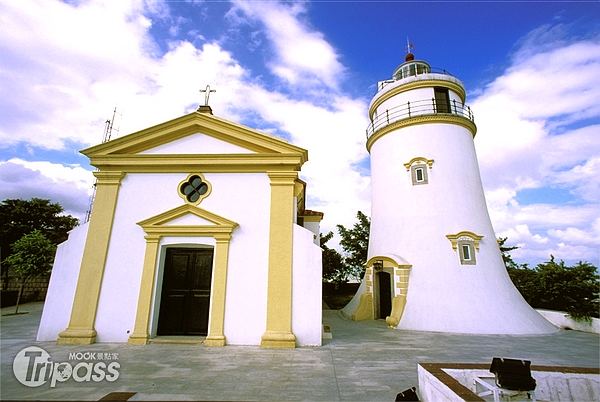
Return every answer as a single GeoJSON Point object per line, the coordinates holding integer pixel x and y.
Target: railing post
{"type": "Point", "coordinates": [454, 102]}
{"type": "Point", "coordinates": [408, 105]}
{"type": "Point", "coordinates": [433, 105]}
{"type": "Point", "coordinates": [387, 116]}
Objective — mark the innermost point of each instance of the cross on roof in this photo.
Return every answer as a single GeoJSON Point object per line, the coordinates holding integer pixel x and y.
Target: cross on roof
{"type": "Point", "coordinates": [207, 92]}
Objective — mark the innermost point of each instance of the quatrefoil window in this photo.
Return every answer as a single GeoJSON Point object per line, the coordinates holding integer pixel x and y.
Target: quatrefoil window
{"type": "Point", "coordinates": [194, 189]}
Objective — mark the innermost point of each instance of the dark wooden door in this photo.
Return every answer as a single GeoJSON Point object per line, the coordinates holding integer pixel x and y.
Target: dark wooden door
{"type": "Point", "coordinates": [385, 294]}
{"type": "Point", "coordinates": [185, 299]}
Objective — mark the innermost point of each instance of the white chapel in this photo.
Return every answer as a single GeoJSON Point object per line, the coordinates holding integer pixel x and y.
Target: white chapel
{"type": "Point", "coordinates": [198, 227]}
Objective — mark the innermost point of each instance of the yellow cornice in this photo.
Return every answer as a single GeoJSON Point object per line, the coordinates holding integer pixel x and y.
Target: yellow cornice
{"type": "Point", "coordinates": [192, 123]}
{"type": "Point", "coordinates": [454, 238]}
{"type": "Point", "coordinates": [112, 178]}
{"type": "Point", "coordinates": [429, 162]}
{"type": "Point", "coordinates": [206, 163]}
{"type": "Point", "coordinates": [158, 222]}
{"type": "Point", "coordinates": [453, 86]}
{"type": "Point", "coordinates": [312, 218]}
{"type": "Point", "coordinates": [422, 119]}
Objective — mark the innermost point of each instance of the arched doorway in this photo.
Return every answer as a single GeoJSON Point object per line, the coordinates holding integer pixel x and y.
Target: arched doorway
{"type": "Point", "coordinates": [385, 294]}
{"type": "Point", "coordinates": [185, 297]}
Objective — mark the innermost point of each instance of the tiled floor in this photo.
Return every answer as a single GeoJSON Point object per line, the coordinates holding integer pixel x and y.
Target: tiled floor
{"type": "Point", "coordinates": [365, 361]}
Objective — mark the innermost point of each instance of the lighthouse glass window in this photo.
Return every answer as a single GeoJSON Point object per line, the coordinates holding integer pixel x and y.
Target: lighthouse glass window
{"type": "Point", "coordinates": [466, 251]}
{"type": "Point", "coordinates": [418, 174]}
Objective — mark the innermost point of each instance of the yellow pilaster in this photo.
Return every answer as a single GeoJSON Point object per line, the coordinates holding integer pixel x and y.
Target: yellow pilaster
{"type": "Point", "coordinates": [216, 324]}
{"type": "Point", "coordinates": [83, 315]}
{"type": "Point", "coordinates": [140, 333]}
{"type": "Point", "coordinates": [278, 333]}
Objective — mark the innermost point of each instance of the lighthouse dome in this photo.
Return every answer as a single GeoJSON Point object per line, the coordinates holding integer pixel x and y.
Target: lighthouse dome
{"type": "Point", "coordinates": [411, 67]}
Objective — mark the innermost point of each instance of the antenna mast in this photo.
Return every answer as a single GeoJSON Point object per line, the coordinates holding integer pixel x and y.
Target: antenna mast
{"type": "Point", "coordinates": [409, 46]}
{"type": "Point", "coordinates": [108, 129]}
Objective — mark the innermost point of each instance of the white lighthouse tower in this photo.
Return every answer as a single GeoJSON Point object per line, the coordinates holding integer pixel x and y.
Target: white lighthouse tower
{"type": "Point", "coordinates": [434, 262]}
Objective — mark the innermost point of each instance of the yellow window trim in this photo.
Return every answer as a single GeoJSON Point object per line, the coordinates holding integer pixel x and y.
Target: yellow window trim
{"type": "Point", "coordinates": [429, 162]}
{"type": "Point", "coordinates": [186, 180]}
{"type": "Point", "coordinates": [464, 235]}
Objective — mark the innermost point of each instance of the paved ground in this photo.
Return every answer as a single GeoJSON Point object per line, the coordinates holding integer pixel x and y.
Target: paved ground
{"type": "Point", "coordinates": [364, 361]}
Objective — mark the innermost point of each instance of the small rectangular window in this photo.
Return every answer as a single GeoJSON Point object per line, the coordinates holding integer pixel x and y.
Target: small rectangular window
{"type": "Point", "coordinates": [466, 252]}
{"type": "Point", "coordinates": [419, 173]}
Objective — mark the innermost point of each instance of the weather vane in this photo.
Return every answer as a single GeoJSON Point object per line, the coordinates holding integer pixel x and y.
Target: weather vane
{"type": "Point", "coordinates": [409, 46]}
{"type": "Point", "coordinates": [207, 92]}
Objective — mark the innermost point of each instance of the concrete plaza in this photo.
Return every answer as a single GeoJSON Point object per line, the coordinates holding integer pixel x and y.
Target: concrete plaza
{"type": "Point", "coordinates": [365, 361]}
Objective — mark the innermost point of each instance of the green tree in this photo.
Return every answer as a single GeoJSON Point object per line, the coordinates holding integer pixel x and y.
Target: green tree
{"type": "Point", "coordinates": [355, 242]}
{"type": "Point", "coordinates": [556, 286]}
{"type": "Point", "coordinates": [573, 289]}
{"type": "Point", "coordinates": [334, 269]}
{"type": "Point", "coordinates": [31, 258]}
{"type": "Point", "coordinates": [19, 217]}
{"type": "Point", "coordinates": [505, 250]}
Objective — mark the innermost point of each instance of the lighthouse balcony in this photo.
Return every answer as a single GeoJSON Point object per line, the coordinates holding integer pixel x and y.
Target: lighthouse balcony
{"type": "Point", "coordinates": [415, 71]}
{"type": "Point", "coordinates": [414, 112]}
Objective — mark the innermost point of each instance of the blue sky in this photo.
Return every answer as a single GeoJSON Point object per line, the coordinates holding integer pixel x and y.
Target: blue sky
{"type": "Point", "coordinates": [306, 71]}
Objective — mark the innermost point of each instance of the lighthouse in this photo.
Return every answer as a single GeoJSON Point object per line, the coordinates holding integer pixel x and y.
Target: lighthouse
{"type": "Point", "coordinates": [434, 263]}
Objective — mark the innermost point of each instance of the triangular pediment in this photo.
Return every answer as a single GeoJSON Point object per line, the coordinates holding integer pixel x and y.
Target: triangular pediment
{"type": "Point", "coordinates": [187, 220]}
{"type": "Point", "coordinates": [197, 124]}
{"type": "Point", "coordinates": [199, 144]}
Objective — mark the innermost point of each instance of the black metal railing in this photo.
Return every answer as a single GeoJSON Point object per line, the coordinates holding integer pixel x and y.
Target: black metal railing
{"type": "Point", "coordinates": [411, 73]}
{"type": "Point", "coordinates": [418, 108]}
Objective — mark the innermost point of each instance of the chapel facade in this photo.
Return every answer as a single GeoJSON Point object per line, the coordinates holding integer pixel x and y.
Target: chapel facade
{"type": "Point", "coordinates": [198, 228]}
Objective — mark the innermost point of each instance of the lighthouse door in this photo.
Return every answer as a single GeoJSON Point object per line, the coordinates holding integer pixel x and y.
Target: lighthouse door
{"type": "Point", "coordinates": [385, 294]}
{"type": "Point", "coordinates": [185, 298]}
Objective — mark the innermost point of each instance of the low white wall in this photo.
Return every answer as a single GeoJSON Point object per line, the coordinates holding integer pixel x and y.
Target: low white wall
{"type": "Point", "coordinates": [307, 298]}
{"type": "Point", "coordinates": [562, 320]}
{"type": "Point", "coordinates": [551, 385]}
{"type": "Point", "coordinates": [566, 387]}
{"type": "Point", "coordinates": [63, 282]}
{"type": "Point", "coordinates": [432, 389]}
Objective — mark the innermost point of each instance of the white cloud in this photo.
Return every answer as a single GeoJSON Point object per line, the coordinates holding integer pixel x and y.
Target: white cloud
{"type": "Point", "coordinates": [64, 71]}
{"type": "Point", "coordinates": [70, 186]}
{"type": "Point", "coordinates": [67, 83]}
{"type": "Point", "coordinates": [302, 56]}
{"type": "Point", "coordinates": [533, 133]}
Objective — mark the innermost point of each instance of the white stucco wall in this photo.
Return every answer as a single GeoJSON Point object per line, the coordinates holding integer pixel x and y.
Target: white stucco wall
{"type": "Point", "coordinates": [412, 221]}
{"type": "Point", "coordinates": [565, 384]}
{"type": "Point", "coordinates": [562, 320]}
{"type": "Point", "coordinates": [242, 198]}
{"type": "Point", "coordinates": [198, 143]}
{"type": "Point", "coordinates": [307, 309]}
{"type": "Point", "coordinates": [62, 285]}
{"type": "Point", "coordinates": [315, 228]}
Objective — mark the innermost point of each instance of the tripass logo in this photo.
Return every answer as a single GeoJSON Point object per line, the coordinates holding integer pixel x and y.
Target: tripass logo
{"type": "Point", "coordinates": [33, 367]}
